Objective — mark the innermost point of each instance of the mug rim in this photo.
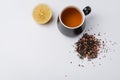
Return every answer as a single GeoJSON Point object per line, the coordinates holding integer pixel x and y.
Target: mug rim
{"type": "Point", "coordinates": [78, 10]}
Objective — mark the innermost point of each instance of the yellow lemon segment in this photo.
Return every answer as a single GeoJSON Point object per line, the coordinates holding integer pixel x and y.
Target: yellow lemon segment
{"type": "Point", "coordinates": [42, 13]}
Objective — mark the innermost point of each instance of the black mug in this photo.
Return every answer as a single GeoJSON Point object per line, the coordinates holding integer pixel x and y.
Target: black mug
{"type": "Point", "coordinates": [73, 31]}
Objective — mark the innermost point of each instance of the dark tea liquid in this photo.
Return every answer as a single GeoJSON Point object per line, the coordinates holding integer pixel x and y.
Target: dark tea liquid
{"type": "Point", "coordinates": [71, 17]}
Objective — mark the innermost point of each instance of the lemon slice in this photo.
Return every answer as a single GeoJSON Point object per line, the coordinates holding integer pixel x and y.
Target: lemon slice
{"type": "Point", "coordinates": [42, 13]}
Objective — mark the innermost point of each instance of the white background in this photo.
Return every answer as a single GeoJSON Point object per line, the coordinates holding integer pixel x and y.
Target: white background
{"type": "Point", "coordinates": [29, 51]}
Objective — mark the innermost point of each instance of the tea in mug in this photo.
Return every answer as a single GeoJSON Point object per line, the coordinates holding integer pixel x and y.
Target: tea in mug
{"type": "Point", "coordinates": [71, 17]}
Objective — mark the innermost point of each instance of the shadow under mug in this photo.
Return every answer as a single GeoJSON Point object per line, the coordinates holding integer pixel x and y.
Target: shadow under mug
{"type": "Point", "coordinates": [72, 32]}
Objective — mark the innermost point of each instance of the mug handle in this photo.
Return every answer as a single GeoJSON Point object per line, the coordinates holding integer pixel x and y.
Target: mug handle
{"type": "Point", "coordinates": [87, 10]}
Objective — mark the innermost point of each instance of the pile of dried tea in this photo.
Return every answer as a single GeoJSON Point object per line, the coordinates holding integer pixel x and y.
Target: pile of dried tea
{"type": "Point", "coordinates": [88, 46]}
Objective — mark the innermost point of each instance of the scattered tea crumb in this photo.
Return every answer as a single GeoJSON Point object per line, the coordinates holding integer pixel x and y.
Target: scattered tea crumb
{"type": "Point", "coordinates": [99, 34]}
{"type": "Point", "coordinates": [91, 28]}
{"type": "Point", "coordinates": [66, 76]}
{"type": "Point", "coordinates": [92, 63]}
{"type": "Point", "coordinates": [81, 65]}
{"type": "Point", "coordinates": [99, 58]}
{"type": "Point", "coordinates": [98, 24]}
{"type": "Point", "coordinates": [110, 41]}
